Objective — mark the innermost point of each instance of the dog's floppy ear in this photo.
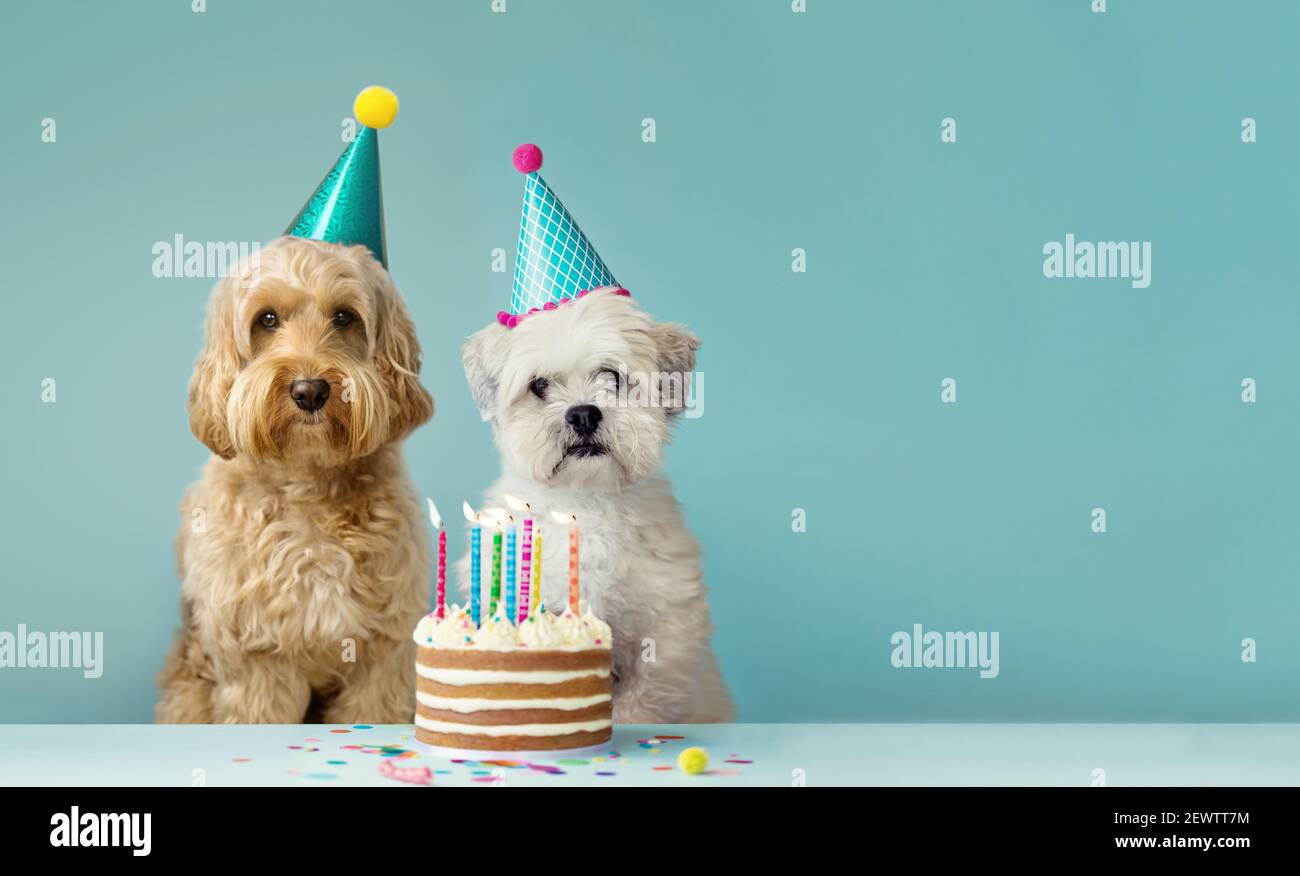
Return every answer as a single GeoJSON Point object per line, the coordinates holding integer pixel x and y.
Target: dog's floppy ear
{"type": "Point", "coordinates": [214, 372]}
{"type": "Point", "coordinates": [483, 357]}
{"type": "Point", "coordinates": [398, 359]}
{"type": "Point", "coordinates": [675, 347]}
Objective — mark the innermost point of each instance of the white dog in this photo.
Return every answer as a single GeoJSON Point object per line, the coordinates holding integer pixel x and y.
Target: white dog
{"type": "Point", "coordinates": [558, 389]}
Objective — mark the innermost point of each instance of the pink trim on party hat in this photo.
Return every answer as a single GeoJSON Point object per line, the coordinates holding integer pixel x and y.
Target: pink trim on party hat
{"type": "Point", "coordinates": [510, 320]}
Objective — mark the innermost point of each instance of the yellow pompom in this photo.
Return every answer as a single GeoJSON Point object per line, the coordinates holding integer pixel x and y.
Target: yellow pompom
{"type": "Point", "coordinates": [375, 107]}
{"type": "Point", "coordinates": [693, 760]}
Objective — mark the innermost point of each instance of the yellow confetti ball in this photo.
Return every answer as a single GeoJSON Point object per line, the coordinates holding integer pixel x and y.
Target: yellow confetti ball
{"type": "Point", "coordinates": [693, 760]}
{"type": "Point", "coordinates": [375, 107]}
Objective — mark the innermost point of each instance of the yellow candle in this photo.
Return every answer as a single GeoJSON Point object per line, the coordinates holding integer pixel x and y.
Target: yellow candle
{"type": "Point", "coordinates": [537, 574]}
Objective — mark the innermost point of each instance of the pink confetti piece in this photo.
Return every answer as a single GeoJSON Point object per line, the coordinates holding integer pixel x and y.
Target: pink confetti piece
{"type": "Point", "coordinates": [241, 759]}
{"type": "Point", "coordinates": [410, 775]}
{"type": "Point", "coordinates": [737, 761]}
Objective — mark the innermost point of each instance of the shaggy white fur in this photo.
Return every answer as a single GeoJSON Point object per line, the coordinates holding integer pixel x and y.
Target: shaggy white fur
{"type": "Point", "coordinates": [303, 552]}
{"type": "Point", "coordinates": [640, 566]}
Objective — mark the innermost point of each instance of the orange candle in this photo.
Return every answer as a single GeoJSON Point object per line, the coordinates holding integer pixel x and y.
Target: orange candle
{"type": "Point", "coordinates": [573, 565]}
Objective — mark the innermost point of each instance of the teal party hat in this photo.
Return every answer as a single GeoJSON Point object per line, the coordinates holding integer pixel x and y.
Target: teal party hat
{"type": "Point", "coordinates": [555, 262]}
{"type": "Point", "coordinates": [348, 205]}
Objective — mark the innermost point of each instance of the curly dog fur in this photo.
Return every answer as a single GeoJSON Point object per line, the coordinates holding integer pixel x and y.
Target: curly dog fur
{"type": "Point", "coordinates": [303, 553]}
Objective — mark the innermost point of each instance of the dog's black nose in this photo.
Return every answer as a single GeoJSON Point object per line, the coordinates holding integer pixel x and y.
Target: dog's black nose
{"type": "Point", "coordinates": [583, 419]}
{"type": "Point", "coordinates": [310, 395]}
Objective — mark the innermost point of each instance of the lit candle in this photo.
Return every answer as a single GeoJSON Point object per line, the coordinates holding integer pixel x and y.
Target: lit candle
{"type": "Point", "coordinates": [475, 563]}
{"type": "Point", "coordinates": [510, 568]}
{"type": "Point", "coordinates": [525, 556]}
{"type": "Point", "coordinates": [495, 592]}
{"type": "Point", "coordinates": [536, 600]}
{"type": "Point", "coordinates": [573, 557]}
{"type": "Point", "coordinates": [441, 587]}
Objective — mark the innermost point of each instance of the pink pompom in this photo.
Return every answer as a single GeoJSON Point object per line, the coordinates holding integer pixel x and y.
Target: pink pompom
{"type": "Point", "coordinates": [621, 291]}
{"type": "Point", "coordinates": [527, 158]}
{"type": "Point", "coordinates": [512, 322]}
{"type": "Point", "coordinates": [502, 316]}
{"type": "Point", "coordinates": [550, 305]}
{"type": "Point", "coordinates": [583, 292]}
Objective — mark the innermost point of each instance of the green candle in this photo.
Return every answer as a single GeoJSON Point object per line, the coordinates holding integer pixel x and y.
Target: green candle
{"type": "Point", "coordinates": [496, 572]}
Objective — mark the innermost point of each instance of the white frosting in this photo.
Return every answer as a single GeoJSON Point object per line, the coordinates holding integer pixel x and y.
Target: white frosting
{"type": "Point", "coordinates": [498, 634]}
{"type": "Point", "coordinates": [602, 636]}
{"type": "Point", "coordinates": [455, 630]}
{"type": "Point", "coordinates": [471, 704]}
{"type": "Point", "coordinates": [512, 729]}
{"type": "Point", "coordinates": [539, 632]}
{"type": "Point", "coordinates": [462, 677]}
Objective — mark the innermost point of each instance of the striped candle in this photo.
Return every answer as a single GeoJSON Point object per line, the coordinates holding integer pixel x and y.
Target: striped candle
{"type": "Point", "coordinates": [525, 568]}
{"type": "Point", "coordinates": [536, 600]}
{"type": "Point", "coordinates": [475, 571]}
{"type": "Point", "coordinates": [510, 570]}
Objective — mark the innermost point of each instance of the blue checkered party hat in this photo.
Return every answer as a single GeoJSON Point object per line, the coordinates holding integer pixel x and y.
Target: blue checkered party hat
{"type": "Point", "coordinates": [555, 262]}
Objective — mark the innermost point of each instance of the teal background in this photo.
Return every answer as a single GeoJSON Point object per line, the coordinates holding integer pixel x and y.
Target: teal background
{"type": "Point", "coordinates": [775, 131]}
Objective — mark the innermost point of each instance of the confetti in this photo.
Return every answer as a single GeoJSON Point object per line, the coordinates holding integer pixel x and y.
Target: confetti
{"type": "Point", "coordinates": [336, 762]}
{"type": "Point", "coordinates": [662, 769]}
{"type": "Point", "coordinates": [241, 759]}
{"type": "Point", "coordinates": [737, 761]}
{"type": "Point", "coordinates": [363, 727]}
{"type": "Point", "coordinates": [410, 775]}
{"type": "Point", "coordinates": [605, 773]}
{"type": "Point", "coordinates": [344, 730]}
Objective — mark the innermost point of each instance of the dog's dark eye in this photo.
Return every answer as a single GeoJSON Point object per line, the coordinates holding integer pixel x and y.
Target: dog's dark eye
{"type": "Point", "coordinates": [269, 320]}
{"type": "Point", "coordinates": [538, 386]}
{"type": "Point", "coordinates": [344, 318]}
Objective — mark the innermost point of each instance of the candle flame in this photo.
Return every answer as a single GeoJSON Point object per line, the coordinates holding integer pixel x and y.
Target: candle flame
{"type": "Point", "coordinates": [470, 514]}
{"type": "Point", "coordinates": [561, 517]}
{"type": "Point", "coordinates": [518, 504]}
{"type": "Point", "coordinates": [498, 516]}
{"type": "Point", "coordinates": [434, 517]}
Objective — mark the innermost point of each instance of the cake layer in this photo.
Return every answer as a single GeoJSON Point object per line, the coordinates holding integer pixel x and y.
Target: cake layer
{"type": "Point", "coordinates": [466, 677]}
{"type": "Point", "coordinates": [512, 743]}
{"type": "Point", "coordinates": [465, 705]}
{"type": "Point", "coordinates": [517, 717]}
{"type": "Point", "coordinates": [480, 742]}
{"type": "Point", "coordinates": [539, 730]}
{"type": "Point", "coordinates": [523, 659]}
{"type": "Point", "coordinates": [583, 686]}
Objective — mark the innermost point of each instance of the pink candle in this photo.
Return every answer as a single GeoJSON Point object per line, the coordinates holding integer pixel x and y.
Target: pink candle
{"type": "Point", "coordinates": [442, 572]}
{"type": "Point", "coordinates": [525, 569]}
{"type": "Point", "coordinates": [441, 588]}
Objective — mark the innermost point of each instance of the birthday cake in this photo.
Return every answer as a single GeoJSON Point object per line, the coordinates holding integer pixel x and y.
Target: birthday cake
{"type": "Point", "coordinates": [541, 685]}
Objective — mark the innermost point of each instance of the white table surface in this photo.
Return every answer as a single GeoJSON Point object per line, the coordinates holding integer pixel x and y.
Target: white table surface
{"type": "Point", "coordinates": [778, 754]}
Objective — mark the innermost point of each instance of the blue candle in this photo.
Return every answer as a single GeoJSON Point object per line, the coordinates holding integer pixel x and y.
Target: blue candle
{"type": "Point", "coordinates": [510, 570]}
{"type": "Point", "coordinates": [475, 571]}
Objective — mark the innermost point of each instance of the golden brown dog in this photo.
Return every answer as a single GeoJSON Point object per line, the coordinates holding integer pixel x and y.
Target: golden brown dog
{"type": "Point", "coordinates": [303, 552]}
